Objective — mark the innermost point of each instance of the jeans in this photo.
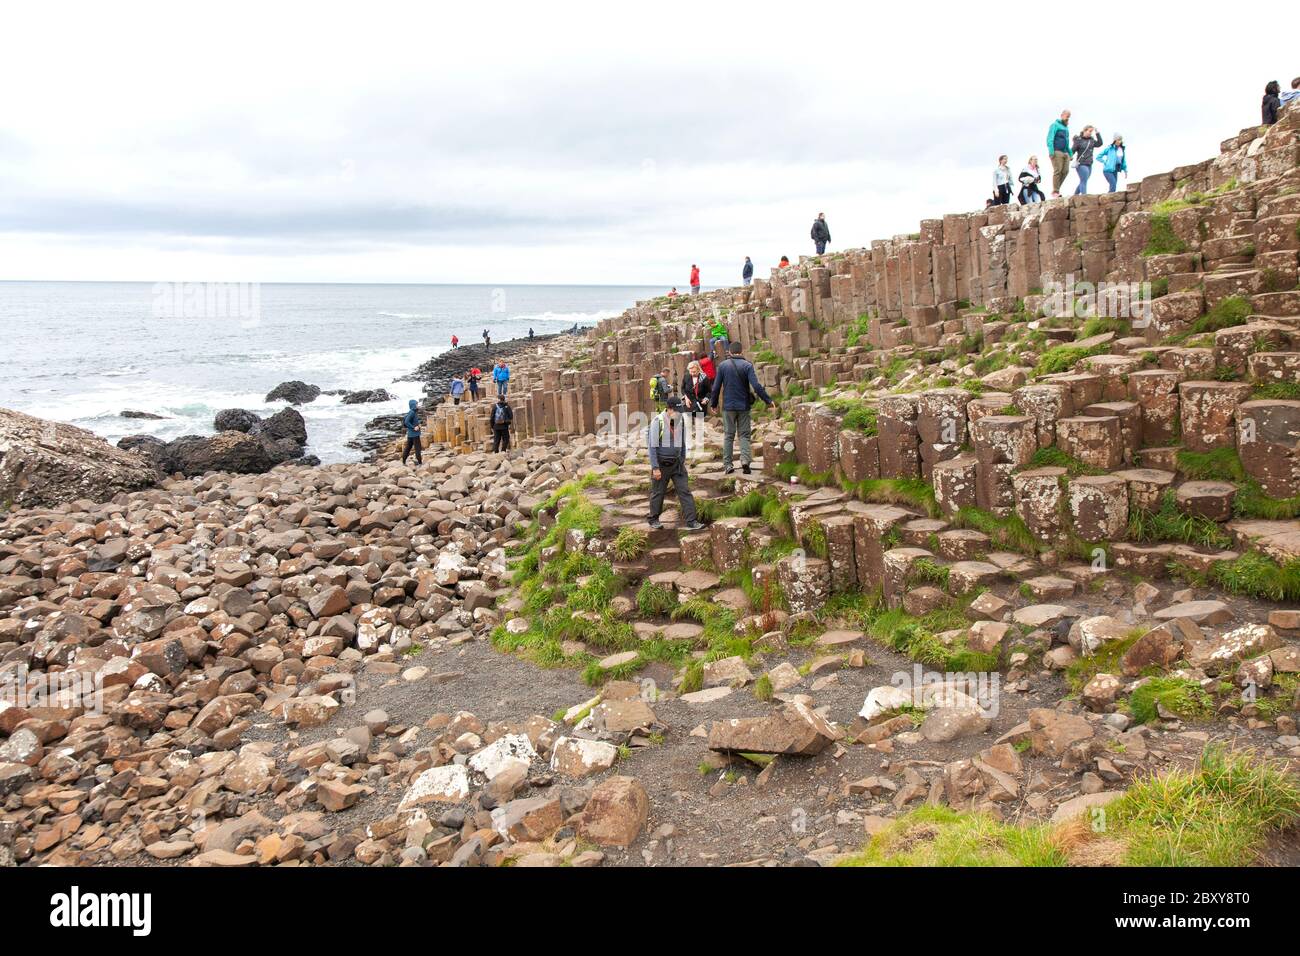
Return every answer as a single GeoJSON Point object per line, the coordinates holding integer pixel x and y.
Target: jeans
{"type": "Point", "coordinates": [726, 344]}
{"type": "Point", "coordinates": [412, 445]}
{"type": "Point", "coordinates": [1060, 169]}
{"type": "Point", "coordinates": [1084, 170]}
{"type": "Point", "coordinates": [1112, 178]}
{"type": "Point", "coordinates": [695, 290]}
{"type": "Point", "coordinates": [501, 438]}
{"type": "Point", "coordinates": [734, 421]}
{"type": "Point", "coordinates": [502, 388]}
{"type": "Point", "coordinates": [821, 247]}
{"type": "Point", "coordinates": [747, 280]}
{"type": "Point", "coordinates": [673, 470]}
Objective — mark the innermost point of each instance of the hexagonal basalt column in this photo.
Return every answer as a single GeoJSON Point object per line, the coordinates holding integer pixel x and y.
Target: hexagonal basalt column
{"type": "Point", "coordinates": [1097, 442]}
{"type": "Point", "coordinates": [727, 538]}
{"type": "Point", "coordinates": [840, 552]}
{"type": "Point", "coordinates": [1039, 496]}
{"type": "Point", "coordinates": [1046, 403]}
{"type": "Point", "coordinates": [1268, 441]}
{"type": "Point", "coordinates": [804, 581]}
{"type": "Point", "coordinates": [955, 483]}
{"type": "Point", "coordinates": [897, 566]}
{"type": "Point", "coordinates": [870, 526]}
{"type": "Point", "coordinates": [1146, 486]}
{"type": "Point", "coordinates": [1206, 499]}
{"type": "Point", "coordinates": [859, 455]}
{"type": "Point", "coordinates": [1010, 439]}
{"type": "Point", "coordinates": [1098, 507]}
{"type": "Point", "coordinates": [1156, 393]}
{"type": "Point", "coordinates": [1208, 412]}
{"type": "Point", "coordinates": [900, 455]}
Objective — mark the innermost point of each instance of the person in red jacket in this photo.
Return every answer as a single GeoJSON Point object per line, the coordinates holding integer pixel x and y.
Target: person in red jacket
{"type": "Point", "coordinates": [706, 365]}
{"type": "Point", "coordinates": [695, 279]}
{"type": "Point", "coordinates": [454, 341]}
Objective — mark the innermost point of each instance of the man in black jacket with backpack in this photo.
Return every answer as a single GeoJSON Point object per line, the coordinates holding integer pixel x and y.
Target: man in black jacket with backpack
{"type": "Point", "coordinates": [503, 416]}
{"type": "Point", "coordinates": [738, 384]}
{"type": "Point", "coordinates": [821, 233]}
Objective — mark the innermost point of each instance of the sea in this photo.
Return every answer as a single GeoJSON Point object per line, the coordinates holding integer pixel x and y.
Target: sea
{"type": "Point", "coordinates": [84, 352]}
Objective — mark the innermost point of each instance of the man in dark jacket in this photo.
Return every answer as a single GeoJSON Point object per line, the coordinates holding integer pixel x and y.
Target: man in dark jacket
{"type": "Point", "coordinates": [503, 416]}
{"type": "Point", "coordinates": [747, 272]}
{"type": "Point", "coordinates": [821, 233]}
{"type": "Point", "coordinates": [412, 422]}
{"type": "Point", "coordinates": [1085, 142]}
{"type": "Point", "coordinates": [666, 444]}
{"type": "Point", "coordinates": [737, 383]}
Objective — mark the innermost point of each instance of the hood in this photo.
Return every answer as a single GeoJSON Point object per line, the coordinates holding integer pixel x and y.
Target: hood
{"type": "Point", "coordinates": [411, 405]}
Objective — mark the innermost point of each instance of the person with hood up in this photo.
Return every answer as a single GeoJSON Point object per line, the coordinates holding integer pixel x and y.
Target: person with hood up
{"type": "Point", "coordinates": [501, 375]}
{"type": "Point", "coordinates": [503, 417]}
{"type": "Point", "coordinates": [411, 420]}
{"type": "Point", "coordinates": [666, 443]}
{"type": "Point", "coordinates": [1058, 151]}
{"type": "Point", "coordinates": [457, 389]}
{"type": "Point", "coordinates": [1114, 160]}
{"type": "Point", "coordinates": [821, 233]}
{"type": "Point", "coordinates": [747, 272]}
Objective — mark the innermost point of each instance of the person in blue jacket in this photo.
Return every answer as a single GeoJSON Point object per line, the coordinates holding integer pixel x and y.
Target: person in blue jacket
{"type": "Point", "coordinates": [1058, 151]}
{"type": "Point", "coordinates": [457, 389]}
{"type": "Point", "coordinates": [738, 384]}
{"type": "Point", "coordinates": [412, 422]}
{"type": "Point", "coordinates": [1114, 160]}
{"type": "Point", "coordinates": [747, 273]}
{"type": "Point", "coordinates": [501, 375]}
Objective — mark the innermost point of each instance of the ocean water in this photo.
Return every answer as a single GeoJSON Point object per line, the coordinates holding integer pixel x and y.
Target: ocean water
{"type": "Point", "coordinates": [83, 352]}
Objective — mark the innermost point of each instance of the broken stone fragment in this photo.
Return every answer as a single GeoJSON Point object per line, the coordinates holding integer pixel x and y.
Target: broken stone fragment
{"type": "Point", "coordinates": [793, 730]}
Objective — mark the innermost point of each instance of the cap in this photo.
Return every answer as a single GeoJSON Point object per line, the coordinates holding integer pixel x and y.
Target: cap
{"type": "Point", "coordinates": [674, 402]}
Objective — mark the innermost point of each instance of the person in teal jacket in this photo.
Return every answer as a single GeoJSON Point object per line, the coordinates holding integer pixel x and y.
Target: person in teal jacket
{"type": "Point", "coordinates": [1058, 151]}
{"type": "Point", "coordinates": [1114, 160]}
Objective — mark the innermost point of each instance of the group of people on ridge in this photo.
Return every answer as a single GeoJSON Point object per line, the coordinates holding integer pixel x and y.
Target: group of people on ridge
{"type": "Point", "coordinates": [1061, 146]}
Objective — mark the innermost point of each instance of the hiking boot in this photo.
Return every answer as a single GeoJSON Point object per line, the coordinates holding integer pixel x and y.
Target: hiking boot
{"type": "Point", "coordinates": [655, 524]}
{"type": "Point", "coordinates": [728, 471]}
{"type": "Point", "coordinates": [745, 469]}
{"type": "Point", "coordinates": [693, 526]}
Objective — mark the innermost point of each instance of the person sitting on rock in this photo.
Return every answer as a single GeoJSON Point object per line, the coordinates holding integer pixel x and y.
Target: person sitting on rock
{"type": "Point", "coordinates": [412, 422]}
{"type": "Point", "coordinates": [666, 443]}
{"type": "Point", "coordinates": [503, 416]}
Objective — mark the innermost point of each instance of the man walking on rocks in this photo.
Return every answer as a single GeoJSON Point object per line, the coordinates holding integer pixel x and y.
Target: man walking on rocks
{"type": "Point", "coordinates": [412, 422]}
{"type": "Point", "coordinates": [503, 416]}
{"type": "Point", "coordinates": [1058, 151]}
{"type": "Point", "coordinates": [666, 443]}
{"type": "Point", "coordinates": [738, 384]}
{"type": "Point", "coordinates": [821, 233]}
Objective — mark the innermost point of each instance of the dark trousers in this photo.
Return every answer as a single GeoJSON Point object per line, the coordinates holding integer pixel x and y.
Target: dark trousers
{"type": "Point", "coordinates": [1003, 196]}
{"type": "Point", "coordinates": [500, 438]}
{"type": "Point", "coordinates": [821, 246]}
{"type": "Point", "coordinates": [412, 445]}
{"type": "Point", "coordinates": [676, 473]}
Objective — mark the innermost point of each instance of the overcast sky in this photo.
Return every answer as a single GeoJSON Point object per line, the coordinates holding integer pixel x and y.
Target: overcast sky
{"type": "Point", "coordinates": [612, 143]}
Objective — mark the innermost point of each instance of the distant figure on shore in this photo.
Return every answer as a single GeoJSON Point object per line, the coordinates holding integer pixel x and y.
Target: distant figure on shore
{"type": "Point", "coordinates": [666, 444]}
{"type": "Point", "coordinates": [785, 261]}
{"type": "Point", "coordinates": [487, 340]}
{"type": "Point", "coordinates": [672, 293]}
{"type": "Point", "coordinates": [1272, 102]}
{"type": "Point", "coordinates": [695, 279]}
{"type": "Point", "coordinates": [501, 375]}
{"type": "Point", "coordinates": [474, 376]}
{"type": "Point", "coordinates": [1085, 142]}
{"type": "Point", "coordinates": [1030, 177]}
{"type": "Point", "coordinates": [747, 272]}
{"type": "Point", "coordinates": [696, 389]}
{"type": "Point", "coordinates": [503, 417]}
{"type": "Point", "coordinates": [739, 387]}
{"type": "Point", "coordinates": [1114, 160]}
{"type": "Point", "coordinates": [530, 333]}
{"type": "Point", "coordinates": [1002, 183]}
{"type": "Point", "coordinates": [1058, 151]}
{"type": "Point", "coordinates": [412, 422]}
{"type": "Point", "coordinates": [1291, 95]}
{"type": "Point", "coordinates": [457, 389]}
{"type": "Point", "coordinates": [455, 342]}
{"type": "Point", "coordinates": [821, 233]}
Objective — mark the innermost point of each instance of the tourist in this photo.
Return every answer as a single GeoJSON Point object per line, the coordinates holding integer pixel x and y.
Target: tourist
{"type": "Point", "coordinates": [784, 263]}
{"type": "Point", "coordinates": [457, 389]}
{"type": "Point", "coordinates": [412, 422]}
{"type": "Point", "coordinates": [718, 333]}
{"type": "Point", "coordinates": [503, 417]}
{"type": "Point", "coordinates": [696, 389]}
{"type": "Point", "coordinates": [1272, 102]}
{"type": "Point", "coordinates": [661, 387]}
{"type": "Point", "coordinates": [1058, 151]}
{"type": "Point", "coordinates": [1292, 95]}
{"type": "Point", "coordinates": [1084, 143]}
{"type": "Point", "coordinates": [666, 443]}
{"type": "Point", "coordinates": [1030, 177]}
{"type": "Point", "coordinates": [455, 342]}
{"type": "Point", "coordinates": [530, 333]}
{"type": "Point", "coordinates": [1114, 160]}
{"type": "Point", "coordinates": [695, 279]}
{"type": "Point", "coordinates": [474, 377]}
{"type": "Point", "coordinates": [821, 233]}
{"type": "Point", "coordinates": [501, 375]}
{"type": "Point", "coordinates": [1002, 183]}
{"type": "Point", "coordinates": [738, 385]}
{"type": "Point", "coordinates": [747, 272]}
{"type": "Point", "coordinates": [706, 365]}
{"type": "Point", "coordinates": [672, 293]}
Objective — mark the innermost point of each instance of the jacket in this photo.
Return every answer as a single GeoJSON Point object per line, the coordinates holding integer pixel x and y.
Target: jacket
{"type": "Point", "coordinates": [1058, 138]}
{"type": "Point", "coordinates": [660, 439]}
{"type": "Point", "coordinates": [820, 231]}
{"type": "Point", "coordinates": [736, 378]}
{"type": "Point", "coordinates": [1114, 159]}
{"type": "Point", "coordinates": [748, 271]}
{"type": "Point", "coordinates": [501, 374]}
{"type": "Point", "coordinates": [502, 415]}
{"type": "Point", "coordinates": [1083, 147]}
{"type": "Point", "coordinates": [1270, 107]}
{"type": "Point", "coordinates": [696, 391]}
{"type": "Point", "coordinates": [707, 367]}
{"type": "Point", "coordinates": [412, 420]}
{"type": "Point", "coordinates": [695, 277]}
{"type": "Point", "coordinates": [457, 388]}
{"type": "Point", "coordinates": [719, 330]}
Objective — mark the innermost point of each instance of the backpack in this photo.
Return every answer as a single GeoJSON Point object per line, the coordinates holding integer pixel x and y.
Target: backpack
{"type": "Point", "coordinates": [500, 414]}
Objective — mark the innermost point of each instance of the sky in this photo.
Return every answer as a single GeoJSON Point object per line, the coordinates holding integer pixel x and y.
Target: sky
{"type": "Point", "coordinates": [604, 143]}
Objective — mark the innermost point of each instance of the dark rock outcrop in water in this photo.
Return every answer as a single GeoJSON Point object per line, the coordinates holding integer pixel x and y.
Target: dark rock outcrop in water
{"type": "Point", "coordinates": [366, 396]}
{"type": "Point", "coordinates": [245, 443]}
{"type": "Point", "coordinates": [45, 463]}
{"type": "Point", "coordinates": [236, 420]}
{"type": "Point", "coordinates": [295, 393]}
{"type": "Point", "coordinates": [132, 413]}
{"type": "Point", "coordinates": [286, 425]}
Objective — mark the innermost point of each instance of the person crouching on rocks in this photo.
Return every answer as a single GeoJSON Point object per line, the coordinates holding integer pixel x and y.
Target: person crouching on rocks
{"type": "Point", "coordinates": [503, 416]}
{"type": "Point", "coordinates": [666, 443]}
{"type": "Point", "coordinates": [412, 422]}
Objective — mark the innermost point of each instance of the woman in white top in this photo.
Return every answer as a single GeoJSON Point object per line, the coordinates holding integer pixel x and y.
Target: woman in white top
{"type": "Point", "coordinates": [1002, 183]}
